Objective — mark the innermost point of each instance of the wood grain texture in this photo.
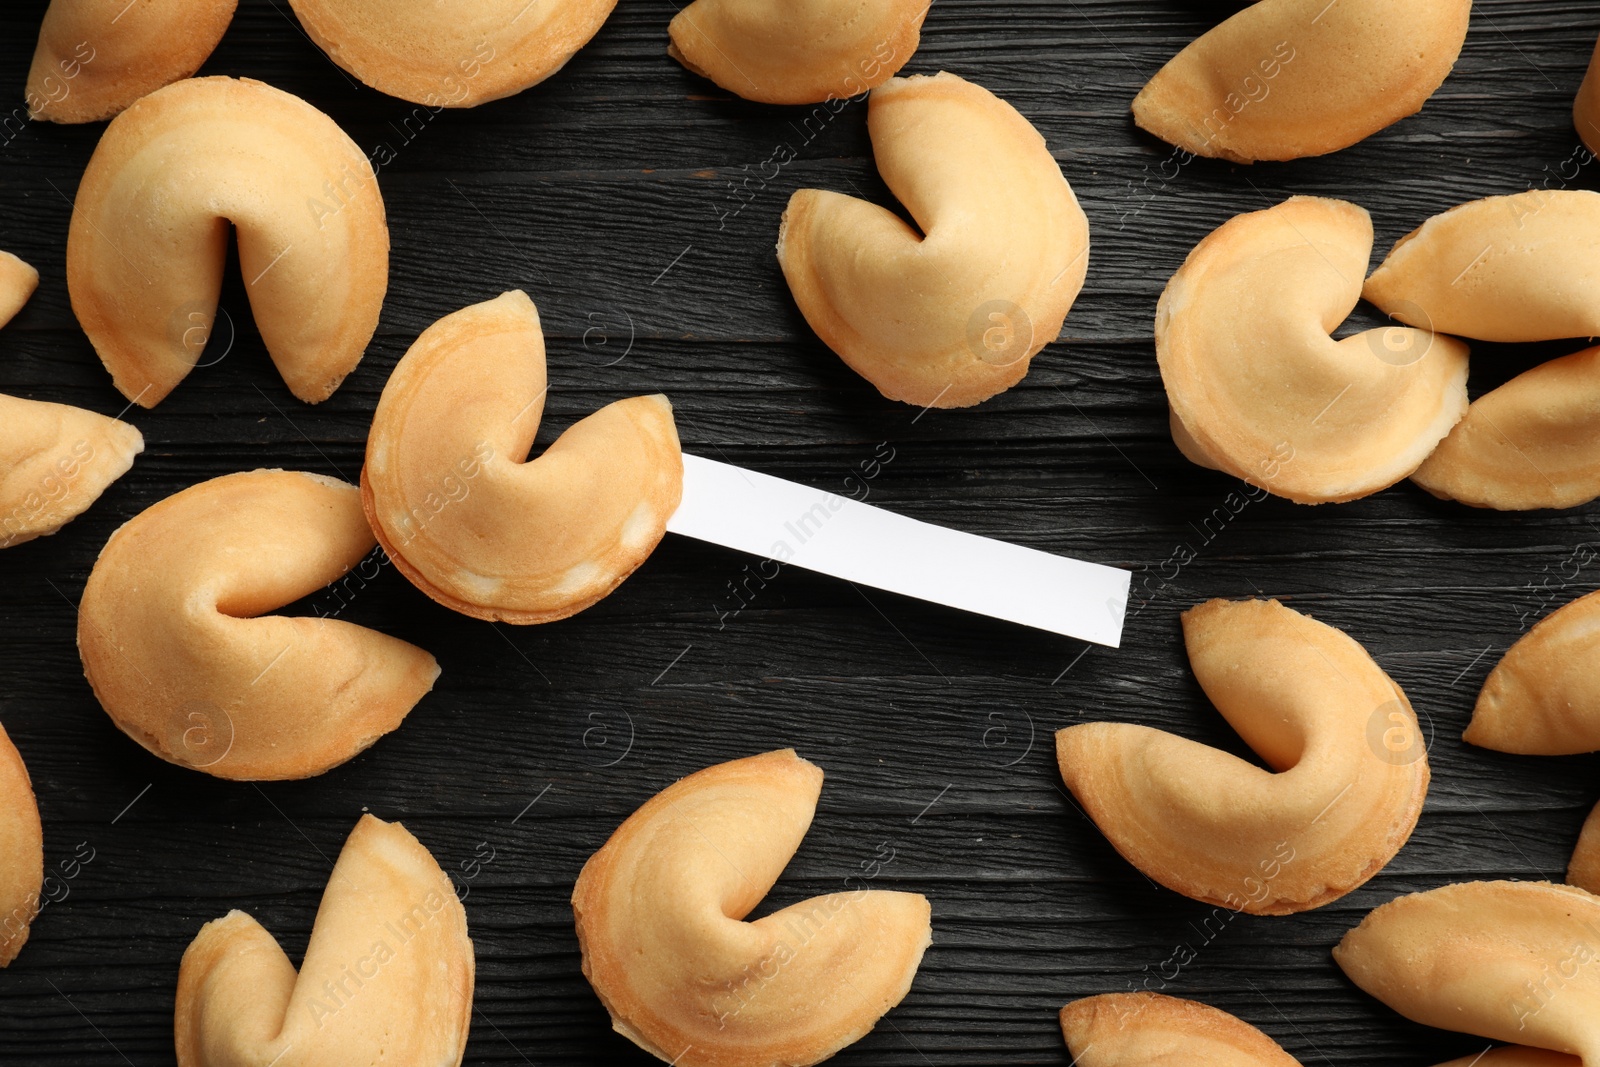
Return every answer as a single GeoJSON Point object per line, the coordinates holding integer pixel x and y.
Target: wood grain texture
{"type": "Point", "coordinates": [606, 194]}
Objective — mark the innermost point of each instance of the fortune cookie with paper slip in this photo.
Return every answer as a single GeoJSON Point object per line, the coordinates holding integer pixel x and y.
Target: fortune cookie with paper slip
{"type": "Point", "coordinates": [1507, 961]}
{"type": "Point", "coordinates": [21, 851]}
{"type": "Point", "coordinates": [1152, 1030]}
{"type": "Point", "coordinates": [660, 910]}
{"type": "Point", "coordinates": [796, 51]}
{"type": "Point", "coordinates": [55, 460]}
{"type": "Point", "coordinates": [177, 645]}
{"type": "Point", "coordinates": [150, 225]}
{"type": "Point", "coordinates": [387, 977]}
{"type": "Point", "coordinates": [1348, 768]}
{"type": "Point", "coordinates": [455, 54]}
{"type": "Point", "coordinates": [1284, 79]}
{"type": "Point", "coordinates": [1259, 388]}
{"type": "Point", "coordinates": [489, 533]}
{"type": "Point", "coordinates": [949, 312]}
{"type": "Point", "coordinates": [468, 518]}
{"type": "Point", "coordinates": [95, 57]}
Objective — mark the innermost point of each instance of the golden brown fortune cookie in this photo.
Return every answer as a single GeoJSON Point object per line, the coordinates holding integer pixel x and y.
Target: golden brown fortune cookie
{"type": "Point", "coordinates": [1348, 768]}
{"type": "Point", "coordinates": [21, 851]}
{"type": "Point", "coordinates": [95, 57]}
{"type": "Point", "coordinates": [1505, 268]}
{"type": "Point", "coordinates": [1543, 697]}
{"type": "Point", "coordinates": [149, 236]}
{"type": "Point", "coordinates": [468, 517]}
{"type": "Point", "coordinates": [177, 644]}
{"type": "Point", "coordinates": [948, 312]}
{"type": "Point", "coordinates": [1508, 961]}
{"type": "Point", "coordinates": [451, 55]}
{"type": "Point", "coordinates": [1584, 870]}
{"type": "Point", "coordinates": [1532, 443]}
{"type": "Point", "coordinates": [55, 460]}
{"type": "Point", "coordinates": [387, 978]}
{"type": "Point", "coordinates": [796, 51]}
{"type": "Point", "coordinates": [660, 912]}
{"type": "Point", "coordinates": [1259, 388]}
{"type": "Point", "coordinates": [1152, 1030]}
{"type": "Point", "coordinates": [1284, 79]}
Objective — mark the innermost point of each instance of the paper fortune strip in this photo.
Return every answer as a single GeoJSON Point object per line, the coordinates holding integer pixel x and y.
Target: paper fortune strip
{"type": "Point", "coordinates": [822, 531]}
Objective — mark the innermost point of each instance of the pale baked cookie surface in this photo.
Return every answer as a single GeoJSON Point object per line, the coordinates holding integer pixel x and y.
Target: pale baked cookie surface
{"type": "Point", "coordinates": [950, 312]}
{"type": "Point", "coordinates": [178, 644]}
{"type": "Point", "coordinates": [151, 224]}
{"type": "Point", "coordinates": [660, 912]}
{"type": "Point", "coordinates": [468, 517]}
{"type": "Point", "coordinates": [387, 978]}
{"type": "Point", "coordinates": [1347, 768]}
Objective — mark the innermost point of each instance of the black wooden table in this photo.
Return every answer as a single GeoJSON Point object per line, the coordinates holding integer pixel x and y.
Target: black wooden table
{"type": "Point", "coordinates": [606, 195]}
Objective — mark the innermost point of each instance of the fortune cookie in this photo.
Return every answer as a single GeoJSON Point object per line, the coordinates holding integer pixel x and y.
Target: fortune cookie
{"type": "Point", "coordinates": [456, 54]}
{"type": "Point", "coordinates": [1284, 79]}
{"type": "Point", "coordinates": [1532, 443]}
{"type": "Point", "coordinates": [387, 978]}
{"type": "Point", "coordinates": [1584, 870]}
{"type": "Point", "coordinates": [1151, 1030]}
{"type": "Point", "coordinates": [95, 57]}
{"type": "Point", "coordinates": [796, 51]}
{"type": "Point", "coordinates": [949, 312]}
{"type": "Point", "coordinates": [660, 912]}
{"type": "Point", "coordinates": [468, 517]}
{"type": "Point", "coordinates": [1505, 268]}
{"type": "Point", "coordinates": [1348, 768]}
{"type": "Point", "coordinates": [1258, 387]}
{"type": "Point", "coordinates": [177, 647]}
{"type": "Point", "coordinates": [21, 852]}
{"type": "Point", "coordinates": [55, 460]}
{"type": "Point", "coordinates": [1509, 961]}
{"type": "Point", "coordinates": [149, 236]}
{"type": "Point", "coordinates": [1543, 697]}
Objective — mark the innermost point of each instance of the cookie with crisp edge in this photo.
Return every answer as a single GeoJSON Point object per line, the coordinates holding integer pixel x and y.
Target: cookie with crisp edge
{"type": "Point", "coordinates": [151, 224]}
{"type": "Point", "coordinates": [473, 522]}
{"type": "Point", "coordinates": [660, 909]}
{"type": "Point", "coordinates": [1542, 698]}
{"type": "Point", "coordinates": [796, 51]}
{"type": "Point", "coordinates": [950, 311]}
{"type": "Point", "coordinates": [178, 645]}
{"type": "Point", "coordinates": [1259, 388]}
{"type": "Point", "coordinates": [1504, 268]}
{"type": "Point", "coordinates": [1534, 442]}
{"type": "Point", "coordinates": [95, 57]}
{"type": "Point", "coordinates": [1284, 79]}
{"type": "Point", "coordinates": [1507, 961]}
{"type": "Point", "coordinates": [456, 55]}
{"type": "Point", "coordinates": [1347, 770]}
{"type": "Point", "coordinates": [387, 977]}
{"type": "Point", "coordinates": [55, 460]}
{"type": "Point", "coordinates": [21, 852]}
{"type": "Point", "coordinates": [1152, 1030]}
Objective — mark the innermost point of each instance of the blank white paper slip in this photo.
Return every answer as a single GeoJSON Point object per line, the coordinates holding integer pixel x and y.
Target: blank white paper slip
{"type": "Point", "coordinates": [822, 531]}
